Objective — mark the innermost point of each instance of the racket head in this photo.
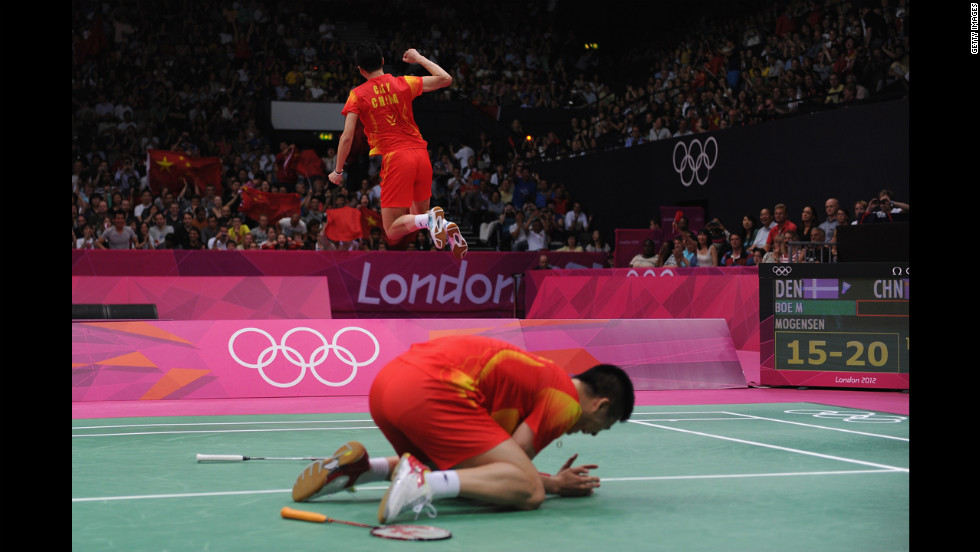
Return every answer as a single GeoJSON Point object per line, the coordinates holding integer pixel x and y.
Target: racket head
{"type": "Point", "coordinates": [411, 532]}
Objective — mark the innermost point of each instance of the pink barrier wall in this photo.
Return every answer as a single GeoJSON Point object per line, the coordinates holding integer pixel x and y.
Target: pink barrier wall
{"type": "Point", "coordinates": [153, 360]}
{"type": "Point", "coordinates": [390, 284]}
{"type": "Point", "coordinates": [210, 297]}
{"type": "Point", "coordinates": [728, 293]}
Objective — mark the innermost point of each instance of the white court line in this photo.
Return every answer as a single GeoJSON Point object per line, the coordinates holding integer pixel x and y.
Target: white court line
{"type": "Point", "coordinates": [130, 434]}
{"type": "Point", "coordinates": [821, 427]}
{"type": "Point", "coordinates": [775, 447]}
{"type": "Point", "coordinates": [223, 424]}
{"type": "Point", "coordinates": [604, 480]}
{"type": "Point", "coordinates": [738, 416]}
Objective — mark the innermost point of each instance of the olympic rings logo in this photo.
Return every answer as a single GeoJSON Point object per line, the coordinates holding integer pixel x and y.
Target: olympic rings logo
{"type": "Point", "coordinates": [782, 270]}
{"type": "Point", "coordinates": [851, 416]}
{"type": "Point", "coordinates": [317, 357]}
{"type": "Point", "coordinates": [696, 160]}
{"type": "Point", "coordinates": [649, 272]}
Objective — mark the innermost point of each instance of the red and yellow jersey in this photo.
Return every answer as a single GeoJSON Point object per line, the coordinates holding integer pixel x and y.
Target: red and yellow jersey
{"type": "Point", "coordinates": [384, 106]}
{"type": "Point", "coordinates": [512, 385]}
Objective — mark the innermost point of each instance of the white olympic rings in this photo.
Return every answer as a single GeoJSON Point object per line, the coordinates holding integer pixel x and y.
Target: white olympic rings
{"type": "Point", "coordinates": [317, 357]}
{"type": "Point", "coordinates": [695, 157]}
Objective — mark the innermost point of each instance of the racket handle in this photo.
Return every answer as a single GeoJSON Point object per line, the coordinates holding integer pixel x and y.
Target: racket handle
{"type": "Point", "coordinates": [302, 515]}
{"type": "Point", "coordinates": [220, 458]}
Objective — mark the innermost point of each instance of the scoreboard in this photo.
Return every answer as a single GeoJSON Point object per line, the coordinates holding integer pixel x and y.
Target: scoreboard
{"type": "Point", "coordinates": [834, 325]}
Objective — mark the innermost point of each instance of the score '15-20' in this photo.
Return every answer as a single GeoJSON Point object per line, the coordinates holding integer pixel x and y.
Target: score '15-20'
{"type": "Point", "coordinates": [874, 353]}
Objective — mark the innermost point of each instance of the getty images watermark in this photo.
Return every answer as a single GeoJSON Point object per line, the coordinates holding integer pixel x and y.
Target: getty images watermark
{"type": "Point", "coordinates": [974, 26]}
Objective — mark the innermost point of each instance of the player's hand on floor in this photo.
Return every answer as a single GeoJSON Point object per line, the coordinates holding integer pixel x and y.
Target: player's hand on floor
{"type": "Point", "coordinates": [576, 480]}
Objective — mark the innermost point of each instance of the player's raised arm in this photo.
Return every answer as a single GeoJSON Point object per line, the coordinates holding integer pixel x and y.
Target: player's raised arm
{"type": "Point", "coordinates": [438, 78]}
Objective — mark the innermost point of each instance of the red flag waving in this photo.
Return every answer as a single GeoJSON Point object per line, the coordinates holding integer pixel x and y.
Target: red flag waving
{"type": "Point", "coordinates": [170, 169]}
{"type": "Point", "coordinates": [286, 162]}
{"type": "Point", "coordinates": [343, 224]}
{"type": "Point", "coordinates": [370, 219]}
{"type": "Point", "coordinates": [310, 164]}
{"type": "Point", "coordinates": [256, 203]}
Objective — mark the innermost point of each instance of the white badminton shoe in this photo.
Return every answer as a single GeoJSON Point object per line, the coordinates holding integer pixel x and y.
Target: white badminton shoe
{"type": "Point", "coordinates": [409, 490]}
{"type": "Point", "coordinates": [456, 240]}
{"type": "Point", "coordinates": [334, 474]}
{"type": "Point", "coordinates": [437, 227]}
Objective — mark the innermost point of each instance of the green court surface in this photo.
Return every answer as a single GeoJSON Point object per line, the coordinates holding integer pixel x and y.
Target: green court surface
{"type": "Point", "coordinates": [747, 477]}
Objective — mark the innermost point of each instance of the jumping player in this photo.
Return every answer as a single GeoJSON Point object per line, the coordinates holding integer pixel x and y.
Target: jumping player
{"type": "Point", "coordinates": [383, 105]}
{"type": "Point", "coordinates": [466, 415]}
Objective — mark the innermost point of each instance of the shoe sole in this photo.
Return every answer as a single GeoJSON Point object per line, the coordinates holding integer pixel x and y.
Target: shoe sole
{"type": "Point", "coordinates": [312, 483]}
{"type": "Point", "coordinates": [439, 238]}
{"type": "Point", "coordinates": [455, 237]}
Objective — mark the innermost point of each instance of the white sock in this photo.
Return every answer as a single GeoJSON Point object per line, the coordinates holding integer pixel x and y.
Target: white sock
{"type": "Point", "coordinates": [444, 484]}
{"type": "Point", "coordinates": [422, 221]}
{"type": "Point", "coordinates": [378, 471]}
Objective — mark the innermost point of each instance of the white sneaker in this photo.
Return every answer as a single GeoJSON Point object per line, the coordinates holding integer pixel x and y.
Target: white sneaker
{"type": "Point", "coordinates": [409, 490]}
{"type": "Point", "coordinates": [437, 227]}
{"type": "Point", "coordinates": [456, 240]}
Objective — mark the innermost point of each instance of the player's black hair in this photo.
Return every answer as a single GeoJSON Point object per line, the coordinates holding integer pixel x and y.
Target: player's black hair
{"type": "Point", "coordinates": [611, 382]}
{"type": "Point", "coordinates": [367, 56]}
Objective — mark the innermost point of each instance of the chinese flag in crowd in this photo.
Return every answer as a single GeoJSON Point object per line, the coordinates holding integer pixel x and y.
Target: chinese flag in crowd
{"type": "Point", "coordinates": [286, 163]}
{"type": "Point", "coordinates": [370, 219]}
{"type": "Point", "coordinates": [310, 164]}
{"type": "Point", "coordinates": [344, 224]}
{"type": "Point", "coordinates": [169, 169]}
{"type": "Point", "coordinates": [276, 206]}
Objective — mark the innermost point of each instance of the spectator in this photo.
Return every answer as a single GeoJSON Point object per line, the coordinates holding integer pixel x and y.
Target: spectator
{"type": "Point", "coordinates": [292, 226]}
{"type": "Point", "coordinates": [261, 230]}
{"type": "Point", "coordinates": [690, 249]}
{"type": "Point", "coordinates": [749, 231]}
{"type": "Point", "coordinates": [818, 251]}
{"type": "Point", "coordinates": [146, 200]}
{"type": "Point", "coordinates": [537, 238]}
{"type": "Point", "coordinates": [781, 224]}
{"type": "Point", "coordinates": [658, 131]}
{"type": "Point", "coordinates": [194, 242]}
{"type": "Point", "coordinates": [885, 209]}
{"type": "Point", "coordinates": [829, 225]}
{"type": "Point", "coordinates": [677, 256]}
{"type": "Point", "coordinates": [119, 236]}
{"type": "Point", "coordinates": [543, 263]}
{"type": "Point", "coordinates": [572, 244]}
{"type": "Point", "coordinates": [779, 252]}
{"type": "Point", "coordinates": [271, 239]}
{"type": "Point", "coordinates": [220, 241]}
{"type": "Point", "coordinates": [575, 220]}
{"type": "Point", "coordinates": [87, 239]}
{"type": "Point", "coordinates": [182, 232]}
{"type": "Point", "coordinates": [598, 244]}
{"type": "Point", "coordinates": [647, 258]}
{"type": "Point", "coordinates": [159, 231]}
{"type": "Point", "coordinates": [860, 207]}
{"type": "Point", "coordinates": [737, 256]}
{"type": "Point", "coordinates": [237, 230]}
{"type": "Point", "coordinates": [808, 221]}
{"type": "Point", "coordinates": [707, 253]}
{"type": "Point", "coordinates": [518, 232]}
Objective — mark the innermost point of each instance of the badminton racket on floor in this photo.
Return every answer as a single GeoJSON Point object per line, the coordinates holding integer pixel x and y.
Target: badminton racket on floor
{"type": "Point", "coordinates": [240, 458]}
{"type": "Point", "coordinates": [395, 532]}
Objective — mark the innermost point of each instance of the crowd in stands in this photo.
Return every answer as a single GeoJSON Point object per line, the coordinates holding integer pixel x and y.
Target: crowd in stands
{"type": "Point", "coordinates": [197, 77]}
{"type": "Point", "coordinates": [772, 236]}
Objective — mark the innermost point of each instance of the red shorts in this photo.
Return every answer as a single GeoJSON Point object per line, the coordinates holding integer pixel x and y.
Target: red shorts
{"type": "Point", "coordinates": [406, 176]}
{"type": "Point", "coordinates": [429, 418]}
